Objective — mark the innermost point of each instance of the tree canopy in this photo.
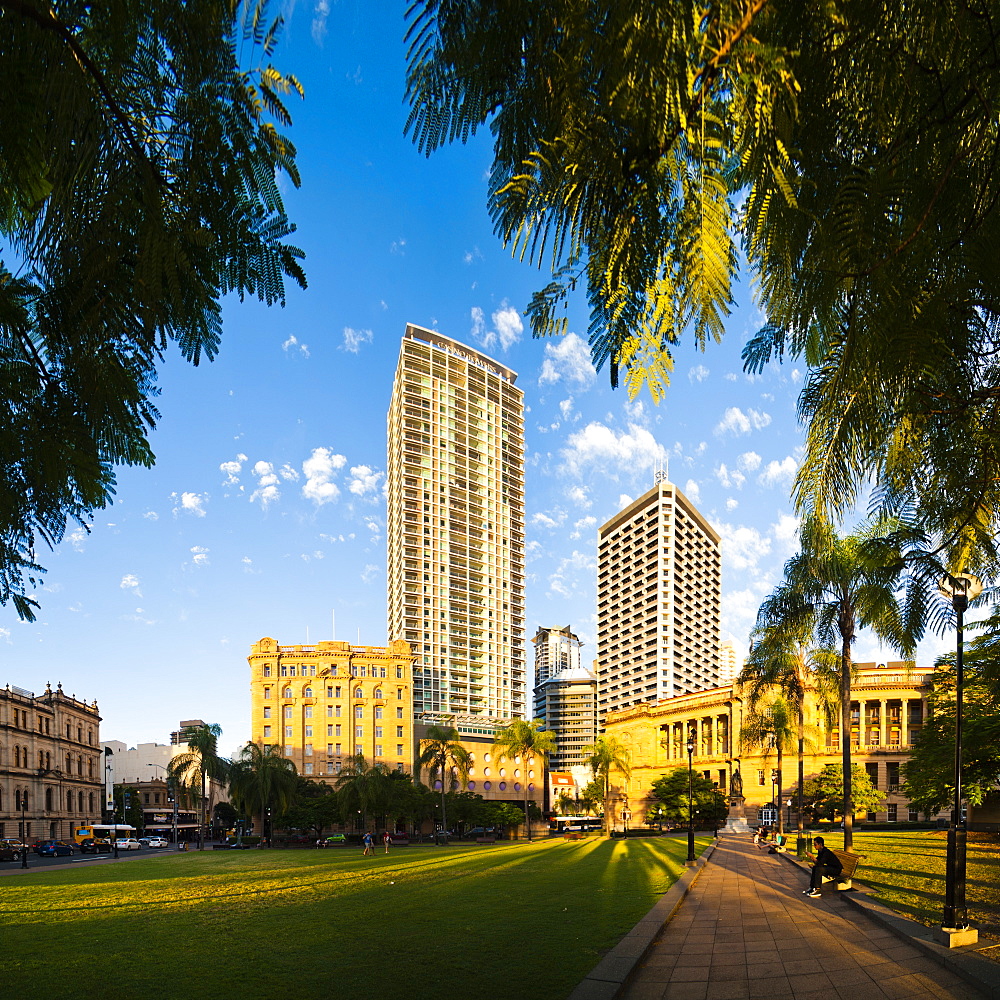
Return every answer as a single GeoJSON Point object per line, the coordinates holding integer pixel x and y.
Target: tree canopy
{"type": "Point", "coordinates": [845, 151]}
{"type": "Point", "coordinates": [139, 159]}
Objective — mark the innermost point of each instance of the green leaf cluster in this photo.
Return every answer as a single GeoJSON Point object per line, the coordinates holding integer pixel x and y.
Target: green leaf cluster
{"type": "Point", "coordinates": [139, 163]}
{"type": "Point", "coordinates": [824, 793]}
{"type": "Point", "coordinates": [707, 804]}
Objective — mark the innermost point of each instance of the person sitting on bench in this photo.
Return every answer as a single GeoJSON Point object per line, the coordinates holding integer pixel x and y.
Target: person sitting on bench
{"type": "Point", "coordinates": [826, 864]}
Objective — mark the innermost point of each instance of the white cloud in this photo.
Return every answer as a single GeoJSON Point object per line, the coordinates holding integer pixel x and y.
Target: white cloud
{"type": "Point", "coordinates": [698, 373]}
{"type": "Point", "coordinates": [247, 564]}
{"type": "Point", "coordinates": [353, 339]}
{"type": "Point", "coordinates": [320, 13]}
{"type": "Point", "coordinates": [131, 582]}
{"type": "Point", "coordinates": [364, 480]}
{"type": "Point", "coordinates": [786, 533]}
{"type": "Point", "coordinates": [189, 503]}
{"type": "Point", "coordinates": [472, 255]}
{"type": "Point", "coordinates": [557, 518]}
{"type": "Point", "coordinates": [567, 358]}
{"type": "Point", "coordinates": [730, 376]}
{"type": "Point", "coordinates": [742, 547]}
{"type": "Point", "coordinates": [288, 473]}
{"type": "Point", "coordinates": [584, 524]}
{"type": "Point", "coordinates": [579, 496]}
{"type": "Point", "coordinates": [398, 247]}
{"type": "Point", "coordinates": [624, 500]}
{"type": "Point", "coordinates": [730, 479]}
{"type": "Point", "coordinates": [507, 326]}
{"type": "Point", "coordinates": [293, 344]}
{"type": "Point", "coordinates": [77, 537]}
{"type": "Point", "coordinates": [779, 473]}
{"type": "Point", "coordinates": [735, 421]}
{"type": "Point", "coordinates": [200, 555]}
{"type": "Point", "coordinates": [749, 461]}
{"type": "Point", "coordinates": [597, 445]}
{"type": "Point", "coordinates": [151, 515]}
{"type": "Point", "coordinates": [796, 376]}
{"type": "Point", "coordinates": [319, 470]}
{"type": "Point", "coordinates": [576, 563]}
{"type": "Point", "coordinates": [231, 470]}
{"type": "Point", "coordinates": [692, 491]}
{"type": "Point", "coordinates": [5, 633]}
{"type": "Point", "coordinates": [732, 503]}
{"type": "Point", "coordinates": [566, 407]}
{"type": "Point", "coordinates": [369, 573]}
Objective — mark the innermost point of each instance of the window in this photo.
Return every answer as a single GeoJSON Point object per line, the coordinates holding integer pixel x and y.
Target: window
{"type": "Point", "coordinates": [337, 689]}
{"type": "Point", "coordinates": [145, 798]}
{"type": "Point", "coordinates": [337, 712]}
{"type": "Point", "coordinates": [69, 802]}
{"type": "Point", "coordinates": [399, 675]}
{"type": "Point", "coordinates": [288, 751]}
{"type": "Point", "coordinates": [307, 692]}
{"type": "Point", "coordinates": [329, 691]}
{"type": "Point", "coordinates": [378, 750]}
{"type": "Point", "coordinates": [267, 731]}
{"type": "Point", "coordinates": [287, 693]}
{"type": "Point", "coordinates": [79, 801]}
{"type": "Point", "coordinates": [288, 732]}
{"type": "Point", "coordinates": [337, 751]}
{"type": "Point", "coordinates": [892, 812]}
{"type": "Point", "coordinates": [284, 670]}
{"type": "Point", "coordinates": [288, 711]}
{"type": "Point", "coordinates": [156, 799]}
{"type": "Point", "coordinates": [309, 711]}
{"type": "Point", "coordinates": [378, 711]}
{"type": "Point", "coordinates": [359, 732]}
{"type": "Point", "coordinates": [309, 769]}
{"type": "Point", "coordinates": [267, 693]}
{"type": "Point", "coordinates": [329, 731]}
{"type": "Point", "coordinates": [291, 671]}
{"type": "Point", "coordinates": [913, 815]}
{"type": "Point", "coordinates": [48, 798]}
{"type": "Point", "coordinates": [267, 713]}
{"type": "Point", "coordinates": [378, 694]}
{"type": "Point", "coordinates": [399, 736]}
{"type": "Point", "coordinates": [358, 693]}
{"type": "Point", "coordinates": [267, 669]}
{"type": "Point", "coordinates": [399, 715]}
{"type": "Point", "coordinates": [309, 749]}
{"type": "Point", "coordinates": [760, 781]}
{"type": "Point", "coordinates": [399, 753]}
{"type": "Point", "coordinates": [359, 712]}
{"type": "Point", "coordinates": [399, 697]}
{"type": "Point", "coordinates": [309, 731]}
{"type": "Point", "coordinates": [378, 732]}
{"type": "Point", "coordinates": [337, 729]}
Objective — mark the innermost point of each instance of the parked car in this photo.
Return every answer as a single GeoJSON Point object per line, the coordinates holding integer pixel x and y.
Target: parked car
{"type": "Point", "coordinates": [11, 850]}
{"type": "Point", "coordinates": [153, 842]}
{"type": "Point", "coordinates": [54, 848]}
{"type": "Point", "coordinates": [128, 844]}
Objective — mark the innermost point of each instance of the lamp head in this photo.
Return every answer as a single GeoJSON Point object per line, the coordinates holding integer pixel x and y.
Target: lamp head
{"type": "Point", "coordinates": [960, 588]}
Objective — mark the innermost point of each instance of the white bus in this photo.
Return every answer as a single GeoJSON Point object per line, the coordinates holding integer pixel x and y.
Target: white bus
{"type": "Point", "coordinates": [107, 831]}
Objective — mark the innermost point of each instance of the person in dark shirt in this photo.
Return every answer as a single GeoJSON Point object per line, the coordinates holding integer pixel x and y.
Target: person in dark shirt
{"type": "Point", "coordinates": [825, 862]}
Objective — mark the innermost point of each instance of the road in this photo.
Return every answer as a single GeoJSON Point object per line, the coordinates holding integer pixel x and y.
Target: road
{"type": "Point", "coordinates": [36, 862]}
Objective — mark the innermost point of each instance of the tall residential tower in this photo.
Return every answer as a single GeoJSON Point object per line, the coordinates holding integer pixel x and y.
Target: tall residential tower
{"type": "Point", "coordinates": [658, 588]}
{"type": "Point", "coordinates": [456, 527]}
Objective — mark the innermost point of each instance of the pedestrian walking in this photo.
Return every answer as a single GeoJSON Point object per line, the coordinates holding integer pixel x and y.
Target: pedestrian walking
{"type": "Point", "coordinates": [369, 841]}
{"type": "Point", "coordinates": [825, 862]}
{"type": "Point", "coordinates": [387, 840]}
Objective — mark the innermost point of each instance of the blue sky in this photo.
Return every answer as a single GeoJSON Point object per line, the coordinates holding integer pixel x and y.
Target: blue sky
{"type": "Point", "coordinates": [265, 513]}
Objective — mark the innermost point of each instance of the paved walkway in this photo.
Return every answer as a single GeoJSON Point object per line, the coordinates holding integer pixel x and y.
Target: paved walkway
{"type": "Point", "coordinates": [745, 930]}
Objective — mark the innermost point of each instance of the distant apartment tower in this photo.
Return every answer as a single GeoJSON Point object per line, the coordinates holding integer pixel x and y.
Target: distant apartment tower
{"type": "Point", "coordinates": [658, 583]}
{"type": "Point", "coordinates": [729, 662]}
{"type": "Point", "coordinates": [456, 527]}
{"type": "Point", "coordinates": [566, 705]}
{"type": "Point", "coordinates": [555, 649]}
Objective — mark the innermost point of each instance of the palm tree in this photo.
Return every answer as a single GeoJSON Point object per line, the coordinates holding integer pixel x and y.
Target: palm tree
{"type": "Point", "coordinates": [201, 763]}
{"type": "Point", "coordinates": [565, 803]}
{"type": "Point", "coordinates": [442, 754]}
{"type": "Point", "coordinates": [851, 583]}
{"type": "Point", "coordinates": [524, 739]}
{"type": "Point", "coordinates": [262, 782]}
{"type": "Point", "coordinates": [773, 727]}
{"type": "Point", "coordinates": [366, 787]}
{"type": "Point", "coordinates": [784, 659]}
{"type": "Point", "coordinates": [606, 755]}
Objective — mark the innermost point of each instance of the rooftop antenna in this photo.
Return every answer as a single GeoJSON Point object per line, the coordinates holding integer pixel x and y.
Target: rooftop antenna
{"type": "Point", "coordinates": [660, 475]}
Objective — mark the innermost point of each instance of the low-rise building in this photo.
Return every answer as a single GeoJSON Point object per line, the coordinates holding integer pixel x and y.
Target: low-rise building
{"type": "Point", "coordinates": [889, 706]}
{"type": "Point", "coordinates": [51, 769]}
{"type": "Point", "coordinates": [330, 701]}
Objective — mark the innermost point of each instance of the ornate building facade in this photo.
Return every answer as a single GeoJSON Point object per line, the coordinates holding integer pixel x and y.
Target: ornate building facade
{"type": "Point", "coordinates": [329, 701]}
{"type": "Point", "coordinates": [889, 707]}
{"type": "Point", "coordinates": [51, 764]}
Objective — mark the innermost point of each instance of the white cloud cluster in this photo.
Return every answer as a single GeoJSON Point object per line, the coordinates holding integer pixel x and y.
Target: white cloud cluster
{"type": "Point", "coordinates": [749, 461]}
{"type": "Point", "coordinates": [698, 373]}
{"type": "Point", "coordinates": [567, 358]}
{"type": "Point", "coordinates": [364, 480]}
{"type": "Point", "coordinates": [199, 555]}
{"type": "Point", "coordinates": [506, 328]}
{"type": "Point", "coordinates": [77, 537]}
{"type": "Point", "coordinates": [692, 491]}
{"type": "Point", "coordinates": [353, 339]}
{"type": "Point", "coordinates": [231, 470]}
{"type": "Point", "coordinates": [742, 547]}
{"type": "Point", "coordinates": [320, 13]}
{"type": "Point", "coordinates": [292, 344]}
{"type": "Point", "coordinates": [131, 582]}
{"type": "Point", "coordinates": [779, 473]}
{"type": "Point", "coordinates": [786, 533]}
{"type": "Point", "coordinates": [735, 421]}
{"type": "Point", "coordinates": [267, 484]}
{"type": "Point", "coordinates": [731, 479]}
{"type": "Point", "coordinates": [319, 470]}
{"type": "Point", "coordinates": [578, 562]}
{"type": "Point", "coordinates": [584, 524]}
{"type": "Point", "coordinates": [188, 503]}
{"type": "Point", "coordinates": [633, 451]}
{"type": "Point", "coordinates": [553, 520]}
{"type": "Point", "coordinates": [579, 497]}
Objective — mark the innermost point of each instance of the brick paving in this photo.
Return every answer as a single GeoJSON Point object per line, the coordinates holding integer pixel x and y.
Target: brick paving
{"type": "Point", "coordinates": [745, 931]}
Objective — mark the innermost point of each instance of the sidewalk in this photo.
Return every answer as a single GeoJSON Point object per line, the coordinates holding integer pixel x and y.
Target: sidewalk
{"type": "Point", "coordinates": [745, 930]}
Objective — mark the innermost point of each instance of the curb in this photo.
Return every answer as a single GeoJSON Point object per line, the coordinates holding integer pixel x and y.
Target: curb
{"type": "Point", "coordinates": [606, 980]}
{"type": "Point", "coordinates": [979, 972]}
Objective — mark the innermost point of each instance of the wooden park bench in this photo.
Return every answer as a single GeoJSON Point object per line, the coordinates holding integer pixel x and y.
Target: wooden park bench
{"type": "Point", "coordinates": [489, 839]}
{"type": "Point", "coordinates": [571, 836]}
{"type": "Point", "coordinates": [850, 861]}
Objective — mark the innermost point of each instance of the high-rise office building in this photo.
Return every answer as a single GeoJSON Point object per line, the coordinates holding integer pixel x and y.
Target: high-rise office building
{"type": "Point", "coordinates": [658, 584]}
{"type": "Point", "coordinates": [456, 527]}
{"type": "Point", "coordinates": [729, 662]}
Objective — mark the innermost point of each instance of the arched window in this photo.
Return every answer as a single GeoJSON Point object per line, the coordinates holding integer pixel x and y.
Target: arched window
{"type": "Point", "coordinates": [90, 771]}
{"type": "Point", "coordinates": [79, 802]}
{"type": "Point", "coordinates": [358, 693]}
{"type": "Point", "coordinates": [69, 763]}
{"type": "Point", "coordinates": [48, 799]}
{"type": "Point", "coordinates": [69, 802]}
{"type": "Point", "coordinates": [307, 692]}
{"type": "Point", "coordinates": [287, 693]}
{"type": "Point", "coordinates": [79, 764]}
{"type": "Point", "coordinates": [378, 692]}
{"type": "Point", "coordinates": [48, 760]}
{"type": "Point", "coordinates": [90, 802]}
{"type": "Point", "coordinates": [41, 761]}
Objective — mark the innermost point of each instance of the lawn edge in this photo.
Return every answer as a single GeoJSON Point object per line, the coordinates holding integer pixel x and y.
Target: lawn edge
{"type": "Point", "coordinates": [607, 979]}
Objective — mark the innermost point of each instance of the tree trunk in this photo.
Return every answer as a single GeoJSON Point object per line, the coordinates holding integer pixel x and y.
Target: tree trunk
{"type": "Point", "coordinates": [845, 739]}
{"type": "Point", "coordinates": [800, 831]}
{"type": "Point", "coordinates": [779, 796]}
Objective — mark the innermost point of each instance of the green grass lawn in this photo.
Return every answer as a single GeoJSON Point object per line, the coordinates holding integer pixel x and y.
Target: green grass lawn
{"type": "Point", "coordinates": [514, 920]}
{"type": "Point", "coordinates": [906, 870]}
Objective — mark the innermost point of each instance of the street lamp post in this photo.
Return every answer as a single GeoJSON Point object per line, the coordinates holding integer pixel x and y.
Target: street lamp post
{"type": "Point", "coordinates": [24, 828]}
{"type": "Point", "coordinates": [690, 749]}
{"type": "Point", "coordinates": [960, 589]}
